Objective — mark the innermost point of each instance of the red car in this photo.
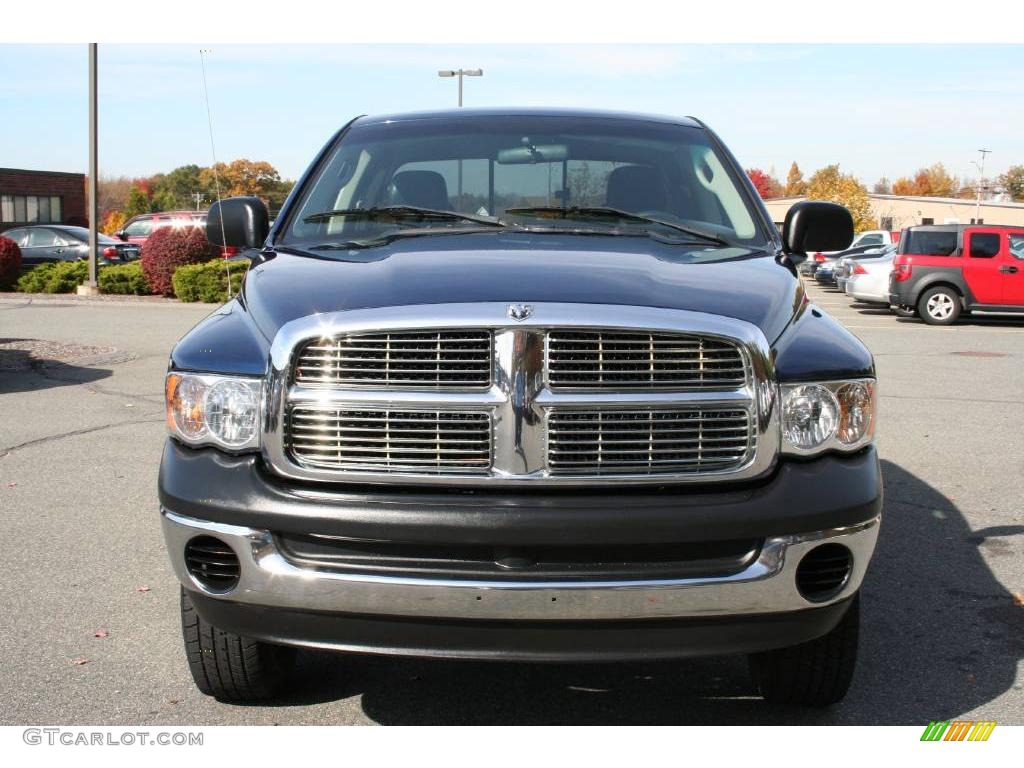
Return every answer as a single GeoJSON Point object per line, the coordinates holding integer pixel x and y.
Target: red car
{"type": "Point", "coordinates": [138, 228]}
{"type": "Point", "coordinates": [943, 271]}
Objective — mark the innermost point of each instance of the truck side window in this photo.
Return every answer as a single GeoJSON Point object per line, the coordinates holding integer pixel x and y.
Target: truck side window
{"type": "Point", "coordinates": [984, 245]}
{"type": "Point", "coordinates": [1017, 246]}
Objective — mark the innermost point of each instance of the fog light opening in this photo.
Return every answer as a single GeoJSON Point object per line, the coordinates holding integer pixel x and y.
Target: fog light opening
{"type": "Point", "coordinates": [823, 572]}
{"type": "Point", "coordinates": [212, 563]}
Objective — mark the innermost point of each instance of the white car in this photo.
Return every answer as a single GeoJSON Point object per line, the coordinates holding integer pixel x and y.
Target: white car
{"type": "Point", "coordinates": [870, 280]}
{"type": "Point", "coordinates": [843, 269]}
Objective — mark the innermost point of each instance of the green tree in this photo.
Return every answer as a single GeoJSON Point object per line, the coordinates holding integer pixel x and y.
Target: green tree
{"type": "Point", "coordinates": [829, 183]}
{"type": "Point", "coordinates": [136, 203]}
{"type": "Point", "coordinates": [1013, 182]}
{"type": "Point", "coordinates": [795, 184]}
{"type": "Point", "coordinates": [178, 187]}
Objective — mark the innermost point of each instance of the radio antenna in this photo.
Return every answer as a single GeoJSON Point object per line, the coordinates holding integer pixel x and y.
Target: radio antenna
{"type": "Point", "coordinates": [213, 153]}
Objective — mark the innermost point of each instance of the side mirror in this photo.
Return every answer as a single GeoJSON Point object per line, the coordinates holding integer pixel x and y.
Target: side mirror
{"type": "Point", "coordinates": [813, 225]}
{"type": "Point", "coordinates": [239, 222]}
{"type": "Point", "coordinates": [121, 235]}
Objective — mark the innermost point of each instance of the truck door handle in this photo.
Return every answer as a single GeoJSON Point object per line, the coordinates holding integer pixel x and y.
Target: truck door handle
{"type": "Point", "coordinates": [1010, 270]}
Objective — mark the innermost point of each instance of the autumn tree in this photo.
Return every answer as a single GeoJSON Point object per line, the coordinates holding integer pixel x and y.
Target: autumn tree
{"type": "Point", "coordinates": [113, 222]}
{"type": "Point", "coordinates": [247, 177]}
{"type": "Point", "coordinates": [829, 183]}
{"type": "Point", "coordinates": [767, 186]}
{"type": "Point", "coordinates": [933, 181]}
{"type": "Point", "coordinates": [795, 184]}
{"type": "Point", "coordinates": [882, 187]}
{"type": "Point", "coordinates": [1013, 182]}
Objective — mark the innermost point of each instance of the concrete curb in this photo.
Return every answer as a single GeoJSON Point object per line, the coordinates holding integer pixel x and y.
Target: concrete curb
{"type": "Point", "coordinates": [66, 299]}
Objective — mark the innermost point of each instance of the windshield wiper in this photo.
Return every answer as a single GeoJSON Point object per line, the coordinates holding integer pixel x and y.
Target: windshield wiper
{"type": "Point", "coordinates": [400, 212]}
{"type": "Point", "coordinates": [602, 212]}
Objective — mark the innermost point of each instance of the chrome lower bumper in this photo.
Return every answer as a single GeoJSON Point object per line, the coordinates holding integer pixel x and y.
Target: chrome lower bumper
{"type": "Point", "coordinates": [767, 585]}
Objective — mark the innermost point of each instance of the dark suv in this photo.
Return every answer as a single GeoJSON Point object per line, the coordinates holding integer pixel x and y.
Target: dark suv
{"type": "Point", "coordinates": [526, 385]}
{"type": "Point", "coordinates": [943, 271]}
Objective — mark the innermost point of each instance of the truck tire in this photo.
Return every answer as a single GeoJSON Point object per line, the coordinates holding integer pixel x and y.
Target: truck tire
{"type": "Point", "coordinates": [230, 667]}
{"type": "Point", "coordinates": [939, 305]}
{"type": "Point", "coordinates": [812, 674]}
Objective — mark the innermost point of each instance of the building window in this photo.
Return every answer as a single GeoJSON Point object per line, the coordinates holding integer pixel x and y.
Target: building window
{"type": "Point", "coordinates": [977, 221]}
{"type": "Point", "coordinates": [927, 221]}
{"type": "Point", "coordinates": [31, 209]}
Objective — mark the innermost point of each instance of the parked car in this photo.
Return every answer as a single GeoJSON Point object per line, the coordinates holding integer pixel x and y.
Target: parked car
{"type": "Point", "coordinates": [825, 273]}
{"type": "Point", "coordinates": [845, 266]}
{"type": "Point", "coordinates": [44, 243]}
{"type": "Point", "coordinates": [944, 271]}
{"type": "Point", "coordinates": [871, 237]}
{"type": "Point", "coordinates": [869, 280]}
{"type": "Point", "coordinates": [475, 426]}
{"type": "Point", "coordinates": [138, 228]}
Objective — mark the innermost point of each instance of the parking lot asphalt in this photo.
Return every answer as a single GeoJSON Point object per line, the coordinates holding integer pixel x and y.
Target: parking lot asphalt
{"type": "Point", "coordinates": [80, 440]}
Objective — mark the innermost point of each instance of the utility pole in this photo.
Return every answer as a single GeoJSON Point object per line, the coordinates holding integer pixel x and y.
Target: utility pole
{"type": "Point", "coordinates": [460, 73]}
{"type": "Point", "coordinates": [199, 198]}
{"type": "Point", "coordinates": [981, 180]}
{"type": "Point", "coordinates": [91, 286]}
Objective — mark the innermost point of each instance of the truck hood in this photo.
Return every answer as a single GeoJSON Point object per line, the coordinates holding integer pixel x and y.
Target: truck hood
{"type": "Point", "coordinates": [521, 268]}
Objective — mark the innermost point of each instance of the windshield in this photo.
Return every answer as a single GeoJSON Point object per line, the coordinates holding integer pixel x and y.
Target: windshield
{"type": "Point", "coordinates": [575, 175]}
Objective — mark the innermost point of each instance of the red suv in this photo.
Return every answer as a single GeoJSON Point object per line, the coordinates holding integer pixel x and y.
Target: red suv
{"type": "Point", "coordinates": [942, 271]}
{"type": "Point", "coordinates": [138, 228]}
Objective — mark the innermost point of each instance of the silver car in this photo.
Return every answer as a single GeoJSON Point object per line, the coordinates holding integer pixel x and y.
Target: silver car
{"type": "Point", "coordinates": [845, 267]}
{"type": "Point", "coordinates": [869, 281]}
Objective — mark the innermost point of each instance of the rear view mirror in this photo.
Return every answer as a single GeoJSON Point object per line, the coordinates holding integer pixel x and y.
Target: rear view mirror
{"type": "Point", "coordinates": [545, 153]}
{"type": "Point", "coordinates": [239, 222]}
{"type": "Point", "coordinates": [813, 225]}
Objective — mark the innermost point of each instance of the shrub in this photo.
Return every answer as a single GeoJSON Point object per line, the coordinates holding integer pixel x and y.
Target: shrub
{"type": "Point", "coordinates": [209, 281]}
{"type": "Point", "coordinates": [169, 248]}
{"type": "Point", "coordinates": [55, 277]}
{"type": "Point", "coordinates": [124, 279]}
{"type": "Point", "coordinates": [10, 263]}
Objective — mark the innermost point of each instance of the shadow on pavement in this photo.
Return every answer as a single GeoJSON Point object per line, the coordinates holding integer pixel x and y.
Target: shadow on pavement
{"type": "Point", "coordinates": [24, 367]}
{"type": "Point", "coordinates": [940, 637]}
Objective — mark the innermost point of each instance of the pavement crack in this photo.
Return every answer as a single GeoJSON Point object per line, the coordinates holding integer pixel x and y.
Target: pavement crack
{"type": "Point", "coordinates": [75, 433]}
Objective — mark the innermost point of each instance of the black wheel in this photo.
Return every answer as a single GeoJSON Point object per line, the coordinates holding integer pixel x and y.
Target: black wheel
{"type": "Point", "coordinates": [228, 666]}
{"type": "Point", "coordinates": [939, 305]}
{"type": "Point", "coordinates": [813, 674]}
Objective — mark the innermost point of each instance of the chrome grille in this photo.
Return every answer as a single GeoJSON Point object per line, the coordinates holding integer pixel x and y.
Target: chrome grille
{"type": "Point", "coordinates": [610, 359]}
{"type": "Point", "coordinates": [455, 359]}
{"type": "Point", "coordinates": [648, 441]}
{"type": "Point", "coordinates": [385, 440]}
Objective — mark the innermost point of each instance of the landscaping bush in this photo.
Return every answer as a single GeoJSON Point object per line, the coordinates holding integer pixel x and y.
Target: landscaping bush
{"type": "Point", "coordinates": [209, 281]}
{"type": "Point", "coordinates": [55, 277]}
{"type": "Point", "coordinates": [10, 263]}
{"type": "Point", "coordinates": [124, 279]}
{"type": "Point", "coordinates": [169, 248]}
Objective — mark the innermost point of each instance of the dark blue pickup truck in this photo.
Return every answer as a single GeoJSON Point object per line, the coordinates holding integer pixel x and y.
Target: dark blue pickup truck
{"type": "Point", "coordinates": [534, 385]}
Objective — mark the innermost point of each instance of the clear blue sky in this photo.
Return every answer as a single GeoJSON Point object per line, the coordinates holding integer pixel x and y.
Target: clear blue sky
{"type": "Point", "coordinates": [877, 110]}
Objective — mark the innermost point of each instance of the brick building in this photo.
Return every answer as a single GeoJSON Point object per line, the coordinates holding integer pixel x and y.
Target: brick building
{"type": "Point", "coordinates": [41, 197]}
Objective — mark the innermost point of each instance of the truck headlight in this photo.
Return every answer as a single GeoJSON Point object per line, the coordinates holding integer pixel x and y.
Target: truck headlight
{"type": "Point", "coordinates": [223, 411]}
{"type": "Point", "coordinates": [834, 415]}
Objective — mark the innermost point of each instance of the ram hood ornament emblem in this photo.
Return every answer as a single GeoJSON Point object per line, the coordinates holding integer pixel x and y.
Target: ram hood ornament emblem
{"type": "Point", "coordinates": [520, 312]}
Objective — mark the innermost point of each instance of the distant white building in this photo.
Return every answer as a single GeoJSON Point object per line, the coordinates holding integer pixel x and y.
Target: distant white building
{"type": "Point", "coordinates": [898, 211]}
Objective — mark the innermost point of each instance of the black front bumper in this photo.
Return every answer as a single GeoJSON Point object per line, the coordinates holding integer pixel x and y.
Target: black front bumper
{"type": "Point", "coordinates": [830, 492]}
{"type": "Point", "coordinates": [534, 641]}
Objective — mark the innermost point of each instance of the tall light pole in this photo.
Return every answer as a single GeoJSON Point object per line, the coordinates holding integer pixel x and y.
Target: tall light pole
{"type": "Point", "coordinates": [981, 180]}
{"type": "Point", "coordinates": [91, 286]}
{"type": "Point", "coordinates": [460, 73]}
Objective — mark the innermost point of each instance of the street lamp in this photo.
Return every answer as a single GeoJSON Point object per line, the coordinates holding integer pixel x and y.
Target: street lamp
{"type": "Point", "coordinates": [981, 180]}
{"type": "Point", "coordinates": [91, 285]}
{"type": "Point", "coordinates": [460, 73]}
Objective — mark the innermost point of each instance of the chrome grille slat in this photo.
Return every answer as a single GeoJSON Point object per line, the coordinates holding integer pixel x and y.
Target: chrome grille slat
{"type": "Point", "coordinates": [441, 359]}
{"type": "Point", "coordinates": [431, 442]}
{"type": "Point", "coordinates": [609, 359]}
{"type": "Point", "coordinates": [633, 441]}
